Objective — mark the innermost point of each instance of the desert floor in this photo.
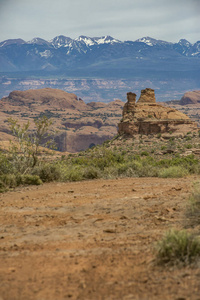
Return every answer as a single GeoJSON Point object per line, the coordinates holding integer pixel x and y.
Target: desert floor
{"type": "Point", "coordinates": [94, 240]}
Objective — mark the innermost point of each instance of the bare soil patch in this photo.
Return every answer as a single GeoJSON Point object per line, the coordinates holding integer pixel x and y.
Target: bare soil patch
{"type": "Point", "coordinates": [93, 240]}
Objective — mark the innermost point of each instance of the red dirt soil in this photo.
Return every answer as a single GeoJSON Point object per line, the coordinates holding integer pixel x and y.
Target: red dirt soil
{"type": "Point", "coordinates": [93, 240]}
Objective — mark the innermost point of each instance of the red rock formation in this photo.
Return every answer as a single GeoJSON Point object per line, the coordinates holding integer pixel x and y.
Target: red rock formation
{"type": "Point", "coordinates": [190, 98]}
{"type": "Point", "coordinates": [148, 117]}
{"type": "Point", "coordinates": [147, 96]}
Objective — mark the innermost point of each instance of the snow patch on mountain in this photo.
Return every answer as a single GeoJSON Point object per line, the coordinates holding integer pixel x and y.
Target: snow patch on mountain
{"type": "Point", "coordinates": [87, 40]}
{"type": "Point", "coordinates": [106, 40]}
{"type": "Point", "coordinates": [46, 54]}
{"type": "Point", "coordinates": [60, 41]}
{"type": "Point", "coordinates": [152, 42]}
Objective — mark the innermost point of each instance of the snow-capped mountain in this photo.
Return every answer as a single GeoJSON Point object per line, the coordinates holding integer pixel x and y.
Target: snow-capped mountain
{"type": "Point", "coordinates": [98, 54]}
{"type": "Point", "coordinates": [60, 41]}
{"type": "Point", "coordinates": [152, 42]}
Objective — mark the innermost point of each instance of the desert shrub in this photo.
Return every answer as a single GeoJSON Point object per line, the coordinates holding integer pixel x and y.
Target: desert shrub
{"type": "Point", "coordinates": [144, 153]}
{"type": "Point", "coordinates": [125, 170]}
{"type": "Point", "coordinates": [195, 200]}
{"type": "Point", "coordinates": [163, 147]}
{"type": "Point", "coordinates": [24, 154]}
{"type": "Point", "coordinates": [178, 247]}
{"type": "Point", "coordinates": [91, 173]}
{"type": "Point", "coordinates": [5, 165]}
{"type": "Point", "coordinates": [189, 162]}
{"type": "Point", "coordinates": [73, 173]}
{"type": "Point", "coordinates": [47, 172]}
{"type": "Point", "coordinates": [193, 209]}
{"type": "Point", "coordinates": [188, 146]}
{"type": "Point", "coordinates": [3, 187]}
{"type": "Point", "coordinates": [188, 138]}
{"type": "Point", "coordinates": [9, 180]}
{"type": "Point", "coordinates": [28, 179]}
{"type": "Point", "coordinates": [147, 171]}
{"type": "Point", "coordinates": [173, 172]}
{"type": "Point", "coordinates": [159, 135]}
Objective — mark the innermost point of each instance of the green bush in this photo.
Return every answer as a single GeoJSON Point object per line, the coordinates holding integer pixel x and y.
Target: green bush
{"type": "Point", "coordinates": [3, 187]}
{"type": "Point", "coordinates": [5, 165]}
{"type": "Point", "coordinates": [11, 181]}
{"type": "Point", "coordinates": [178, 247]}
{"type": "Point", "coordinates": [173, 172]}
{"type": "Point", "coordinates": [73, 173]}
{"type": "Point", "coordinates": [91, 173]}
{"type": "Point", "coordinates": [188, 146]}
{"type": "Point", "coordinates": [193, 209]}
{"type": "Point", "coordinates": [28, 179]}
{"type": "Point", "coordinates": [144, 153]}
{"type": "Point", "coordinates": [195, 201]}
{"type": "Point", "coordinates": [47, 172]}
{"type": "Point", "coordinates": [8, 180]}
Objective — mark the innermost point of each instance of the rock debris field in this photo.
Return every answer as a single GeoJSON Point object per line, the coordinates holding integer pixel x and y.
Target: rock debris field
{"type": "Point", "coordinates": [93, 240]}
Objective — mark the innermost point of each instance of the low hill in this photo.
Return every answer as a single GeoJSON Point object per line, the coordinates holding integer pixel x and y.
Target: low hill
{"type": "Point", "coordinates": [192, 97]}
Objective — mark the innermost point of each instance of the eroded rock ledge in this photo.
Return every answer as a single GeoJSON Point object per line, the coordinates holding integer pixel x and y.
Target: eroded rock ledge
{"type": "Point", "coordinates": [147, 117]}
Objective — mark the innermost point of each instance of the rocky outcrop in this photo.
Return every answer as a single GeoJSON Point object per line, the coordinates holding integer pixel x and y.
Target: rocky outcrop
{"type": "Point", "coordinates": [148, 117]}
{"type": "Point", "coordinates": [190, 98]}
{"type": "Point", "coordinates": [147, 96]}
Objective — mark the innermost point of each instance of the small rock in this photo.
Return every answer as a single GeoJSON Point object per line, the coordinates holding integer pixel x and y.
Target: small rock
{"type": "Point", "coordinates": [110, 231]}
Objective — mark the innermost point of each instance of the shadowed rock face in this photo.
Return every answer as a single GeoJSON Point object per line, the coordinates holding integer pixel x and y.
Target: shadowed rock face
{"type": "Point", "coordinates": [148, 117]}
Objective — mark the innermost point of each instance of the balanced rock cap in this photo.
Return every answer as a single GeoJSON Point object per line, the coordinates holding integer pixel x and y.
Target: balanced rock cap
{"type": "Point", "coordinates": [131, 97]}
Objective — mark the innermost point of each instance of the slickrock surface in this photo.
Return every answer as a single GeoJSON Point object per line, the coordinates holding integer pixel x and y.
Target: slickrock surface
{"type": "Point", "coordinates": [147, 117]}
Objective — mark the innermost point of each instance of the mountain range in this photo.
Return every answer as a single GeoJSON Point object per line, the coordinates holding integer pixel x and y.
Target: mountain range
{"type": "Point", "coordinates": [100, 68]}
{"type": "Point", "coordinates": [103, 55]}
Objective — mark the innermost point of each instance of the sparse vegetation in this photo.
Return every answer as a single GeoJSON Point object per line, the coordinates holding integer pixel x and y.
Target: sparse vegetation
{"type": "Point", "coordinates": [193, 209]}
{"type": "Point", "coordinates": [178, 248]}
{"type": "Point", "coordinates": [120, 157]}
{"type": "Point", "coordinates": [173, 172]}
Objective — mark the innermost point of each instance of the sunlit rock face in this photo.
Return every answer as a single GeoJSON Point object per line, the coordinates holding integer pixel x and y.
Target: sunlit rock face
{"type": "Point", "coordinates": [147, 117]}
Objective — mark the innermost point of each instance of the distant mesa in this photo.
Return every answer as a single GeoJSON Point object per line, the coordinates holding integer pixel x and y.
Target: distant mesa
{"type": "Point", "coordinates": [147, 117]}
{"type": "Point", "coordinates": [190, 98]}
{"type": "Point", "coordinates": [46, 96]}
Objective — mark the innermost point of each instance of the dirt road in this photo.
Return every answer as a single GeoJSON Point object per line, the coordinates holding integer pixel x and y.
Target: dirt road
{"type": "Point", "coordinates": [93, 240]}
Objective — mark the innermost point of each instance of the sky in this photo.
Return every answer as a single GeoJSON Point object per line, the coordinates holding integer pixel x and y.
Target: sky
{"type": "Point", "coordinates": [169, 20]}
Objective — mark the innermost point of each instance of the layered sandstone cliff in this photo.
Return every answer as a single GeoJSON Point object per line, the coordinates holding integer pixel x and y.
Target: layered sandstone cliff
{"type": "Point", "coordinates": [147, 117]}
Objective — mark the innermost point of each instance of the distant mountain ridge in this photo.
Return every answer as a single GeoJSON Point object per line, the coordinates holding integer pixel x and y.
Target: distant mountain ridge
{"type": "Point", "coordinates": [95, 54]}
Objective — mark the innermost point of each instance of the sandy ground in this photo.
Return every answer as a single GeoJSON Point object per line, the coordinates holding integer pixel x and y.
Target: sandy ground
{"type": "Point", "coordinates": [93, 240]}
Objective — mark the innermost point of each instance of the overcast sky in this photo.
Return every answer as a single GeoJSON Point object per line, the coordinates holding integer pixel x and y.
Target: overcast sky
{"type": "Point", "coordinates": [169, 20]}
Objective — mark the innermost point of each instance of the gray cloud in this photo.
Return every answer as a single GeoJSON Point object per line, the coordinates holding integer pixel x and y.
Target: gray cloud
{"type": "Point", "coordinates": [126, 20]}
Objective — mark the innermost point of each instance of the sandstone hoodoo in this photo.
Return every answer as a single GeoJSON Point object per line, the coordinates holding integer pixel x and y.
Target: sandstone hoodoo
{"type": "Point", "coordinates": [148, 117]}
